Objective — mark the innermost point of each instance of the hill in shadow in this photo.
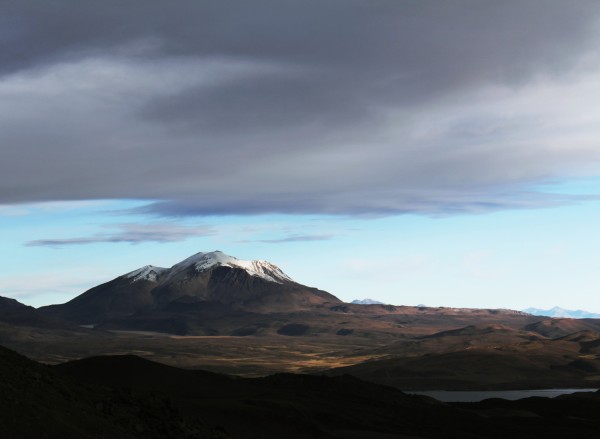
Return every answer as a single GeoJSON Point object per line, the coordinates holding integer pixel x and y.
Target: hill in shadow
{"type": "Point", "coordinates": [127, 397]}
{"type": "Point", "coordinates": [300, 406]}
{"type": "Point", "coordinates": [37, 401]}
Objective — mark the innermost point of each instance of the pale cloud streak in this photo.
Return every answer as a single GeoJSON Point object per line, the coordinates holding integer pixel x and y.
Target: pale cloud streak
{"type": "Point", "coordinates": [132, 234]}
{"type": "Point", "coordinates": [296, 238]}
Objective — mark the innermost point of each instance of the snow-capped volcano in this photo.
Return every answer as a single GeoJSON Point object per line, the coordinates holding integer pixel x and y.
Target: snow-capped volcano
{"type": "Point", "coordinates": [205, 261]}
{"type": "Point", "coordinates": [203, 283]}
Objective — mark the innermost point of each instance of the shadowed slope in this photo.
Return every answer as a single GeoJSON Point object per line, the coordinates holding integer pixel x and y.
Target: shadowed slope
{"type": "Point", "coordinates": [36, 402]}
{"type": "Point", "coordinates": [8, 304]}
{"type": "Point", "coordinates": [485, 357]}
{"type": "Point", "coordinates": [559, 327]}
{"type": "Point", "coordinates": [16, 313]}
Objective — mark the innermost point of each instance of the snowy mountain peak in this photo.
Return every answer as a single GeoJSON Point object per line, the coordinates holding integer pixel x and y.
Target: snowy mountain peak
{"type": "Point", "coordinates": [204, 261]}
{"type": "Point", "coordinates": [148, 272]}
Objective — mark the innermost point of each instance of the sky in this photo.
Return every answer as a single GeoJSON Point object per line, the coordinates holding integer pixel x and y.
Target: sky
{"type": "Point", "coordinates": [414, 152]}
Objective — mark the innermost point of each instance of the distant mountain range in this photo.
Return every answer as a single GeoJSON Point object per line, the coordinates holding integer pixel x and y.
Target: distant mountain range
{"type": "Point", "coordinates": [561, 312]}
{"type": "Point", "coordinates": [366, 301]}
{"type": "Point", "coordinates": [553, 312]}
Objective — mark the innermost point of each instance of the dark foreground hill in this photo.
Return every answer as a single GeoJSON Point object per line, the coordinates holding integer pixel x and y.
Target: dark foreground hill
{"type": "Point", "coordinates": [126, 396]}
{"type": "Point", "coordinates": [37, 401]}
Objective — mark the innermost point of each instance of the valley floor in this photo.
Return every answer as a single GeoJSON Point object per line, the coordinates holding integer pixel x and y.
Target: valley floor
{"type": "Point", "coordinates": [473, 357]}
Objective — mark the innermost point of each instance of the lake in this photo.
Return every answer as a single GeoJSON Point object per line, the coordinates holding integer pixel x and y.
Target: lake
{"type": "Point", "coordinates": [476, 396]}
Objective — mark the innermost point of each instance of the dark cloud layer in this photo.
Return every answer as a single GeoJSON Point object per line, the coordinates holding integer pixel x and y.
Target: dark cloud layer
{"type": "Point", "coordinates": [338, 107]}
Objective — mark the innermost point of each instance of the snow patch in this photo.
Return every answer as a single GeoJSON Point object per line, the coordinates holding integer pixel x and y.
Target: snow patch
{"type": "Point", "coordinates": [149, 273]}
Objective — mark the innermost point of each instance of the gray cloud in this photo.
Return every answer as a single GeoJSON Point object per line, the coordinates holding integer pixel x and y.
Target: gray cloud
{"type": "Point", "coordinates": [336, 107]}
{"type": "Point", "coordinates": [132, 234]}
{"type": "Point", "coordinates": [430, 203]}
